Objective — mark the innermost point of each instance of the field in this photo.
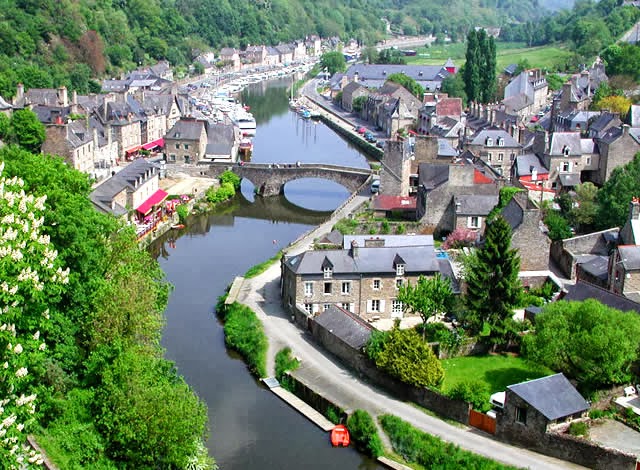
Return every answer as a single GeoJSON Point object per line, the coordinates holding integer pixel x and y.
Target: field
{"type": "Point", "coordinates": [551, 57]}
{"type": "Point", "coordinates": [497, 371]}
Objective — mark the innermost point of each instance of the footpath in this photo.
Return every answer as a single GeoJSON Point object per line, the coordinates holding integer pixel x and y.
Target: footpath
{"type": "Point", "coordinates": [338, 384]}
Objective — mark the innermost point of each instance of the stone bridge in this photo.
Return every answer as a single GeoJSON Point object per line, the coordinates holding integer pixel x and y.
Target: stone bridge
{"type": "Point", "coordinates": [270, 178]}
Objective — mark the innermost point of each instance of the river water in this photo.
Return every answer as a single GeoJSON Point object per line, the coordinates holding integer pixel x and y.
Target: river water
{"type": "Point", "coordinates": [250, 427]}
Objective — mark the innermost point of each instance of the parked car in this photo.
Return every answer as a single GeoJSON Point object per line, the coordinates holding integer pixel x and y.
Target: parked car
{"type": "Point", "coordinates": [369, 137]}
{"type": "Point", "coordinates": [380, 144]}
{"type": "Point", "coordinates": [375, 186]}
{"type": "Point", "coordinates": [361, 130]}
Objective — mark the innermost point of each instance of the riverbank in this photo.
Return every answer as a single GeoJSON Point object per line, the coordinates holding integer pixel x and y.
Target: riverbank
{"type": "Point", "coordinates": [339, 385]}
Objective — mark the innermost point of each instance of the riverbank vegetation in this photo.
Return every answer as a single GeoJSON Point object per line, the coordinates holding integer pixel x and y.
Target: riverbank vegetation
{"type": "Point", "coordinates": [262, 267]}
{"type": "Point", "coordinates": [86, 340]}
{"type": "Point", "coordinates": [229, 184]}
{"type": "Point", "coordinates": [244, 333]}
{"type": "Point", "coordinates": [285, 362]}
{"type": "Point", "coordinates": [364, 433]}
{"type": "Point", "coordinates": [428, 451]}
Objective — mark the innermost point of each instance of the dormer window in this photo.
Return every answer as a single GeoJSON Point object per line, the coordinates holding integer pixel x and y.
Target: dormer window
{"type": "Point", "coordinates": [489, 142]}
{"type": "Point", "coordinates": [328, 272]}
{"type": "Point", "coordinates": [399, 264]}
{"type": "Point", "coordinates": [500, 142]}
{"type": "Point", "coordinates": [399, 269]}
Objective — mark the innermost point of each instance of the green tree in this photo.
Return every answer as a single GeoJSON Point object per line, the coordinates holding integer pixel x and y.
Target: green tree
{"type": "Point", "coordinates": [408, 83]}
{"type": "Point", "coordinates": [427, 298]}
{"type": "Point", "coordinates": [369, 55]}
{"type": "Point", "coordinates": [479, 72]}
{"type": "Point", "coordinates": [493, 288]}
{"type": "Point", "coordinates": [453, 85]}
{"type": "Point", "coordinates": [408, 358]}
{"type": "Point", "coordinates": [586, 208]}
{"type": "Point", "coordinates": [358, 103]}
{"type": "Point", "coordinates": [558, 226]}
{"type": "Point", "coordinates": [587, 341]}
{"type": "Point", "coordinates": [615, 195]}
{"type": "Point", "coordinates": [554, 81]}
{"type": "Point", "coordinates": [333, 62]}
{"type": "Point", "coordinates": [5, 124]}
{"type": "Point", "coordinates": [26, 130]}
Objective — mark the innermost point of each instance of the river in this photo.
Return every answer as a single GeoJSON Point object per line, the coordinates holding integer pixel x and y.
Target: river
{"type": "Point", "coordinates": [250, 427]}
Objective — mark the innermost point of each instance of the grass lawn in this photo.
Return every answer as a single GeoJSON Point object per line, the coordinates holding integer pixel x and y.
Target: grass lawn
{"type": "Point", "coordinates": [497, 371]}
{"type": "Point", "coordinates": [550, 56]}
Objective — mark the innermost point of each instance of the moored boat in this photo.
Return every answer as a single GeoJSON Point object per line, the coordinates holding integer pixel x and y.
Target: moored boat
{"type": "Point", "coordinates": [340, 436]}
{"type": "Point", "coordinates": [177, 226]}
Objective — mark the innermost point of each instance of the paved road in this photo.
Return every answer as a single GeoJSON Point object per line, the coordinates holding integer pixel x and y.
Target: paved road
{"type": "Point", "coordinates": [325, 374]}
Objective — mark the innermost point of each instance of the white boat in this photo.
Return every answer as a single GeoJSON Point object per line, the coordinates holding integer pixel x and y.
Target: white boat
{"type": "Point", "coordinates": [244, 120]}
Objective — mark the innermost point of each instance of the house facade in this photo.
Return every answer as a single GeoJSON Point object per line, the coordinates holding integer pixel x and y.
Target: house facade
{"type": "Point", "coordinates": [186, 141]}
{"type": "Point", "coordinates": [496, 148]}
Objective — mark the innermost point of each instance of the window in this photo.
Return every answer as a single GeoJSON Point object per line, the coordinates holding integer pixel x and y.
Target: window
{"type": "Point", "coordinates": [375, 305]}
{"type": "Point", "coordinates": [346, 287]}
{"type": "Point", "coordinates": [396, 306]}
{"type": "Point", "coordinates": [172, 157]}
{"type": "Point", "coordinates": [512, 157]}
{"type": "Point", "coordinates": [187, 158]}
{"type": "Point", "coordinates": [588, 161]}
{"type": "Point", "coordinates": [500, 157]}
{"type": "Point", "coordinates": [328, 272]}
{"type": "Point", "coordinates": [326, 307]}
{"type": "Point", "coordinates": [308, 289]}
{"type": "Point", "coordinates": [178, 146]}
{"type": "Point", "coordinates": [186, 146]}
{"type": "Point", "coordinates": [398, 283]}
{"type": "Point", "coordinates": [308, 308]}
{"type": "Point", "coordinates": [566, 166]}
{"type": "Point", "coordinates": [400, 270]}
{"type": "Point", "coordinates": [327, 288]}
{"type": "Point", "coordinates": [489, 156]}
{"type": "Point", "coordinates": [376, 284]}
{"type": "Point", "coordinates": [473, 222]}
{"type": "Point", "coordinates": [346, 306]}
{"type": "Point", "coordinates": [489, 142]}
{"type": "Point", "coordinates": [500, 142]}
{"type": "Point", "coordinates": [521, 415]}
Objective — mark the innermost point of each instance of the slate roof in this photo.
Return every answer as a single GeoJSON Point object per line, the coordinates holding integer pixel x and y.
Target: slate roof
{"type": "Point", "coordinates": [480, 138]}
{"type": "Point", "coordinates": [511, 69]}
{"type": "Point", "coordinates": [332, 238]}
{"type": "Point", "coordinates": [78, 134]}
{"type": "Point", "coordinates": [630, 256]}
{"type": "Point", "coordinates": [553, 396]}
{"type": "Point", "coordinates": [525, 164]}
{"type": "Point", "coordinates": [46, 113]}
{"type": "Point", "coordinates": [562, 140]}
{"type": "Point", "coordinates": [432, 176]}
{"type": "Point", "coordinates": [605, 119]}
{"type": "Point", "coordinates": [345, 326]}
{"type": "Point", "coordinates": [186, 130]}
{"type": "Point", "coordinates": [516, 103]}
{"type": "Point", "coordinates": [389, 240]}
{"type": "Point", "coordinates": [220, 139]}
{"type": "Point", "coordinates": [375, 75]}
{"type": "Point", "coordinates": [596, 265]}
{"type": "Point", "coordinates": [115, 85]}
{"type": "Point", "coordinates": [611, 135]}
{"type": "Point", "coordinates": [513, 212]}
{"type": "Point", "coordinates": [471, 204]}
{"type": "Point", "coordinates": [588, 146]}
{"type": "Point", "coordinates": [634, 115]}
{"type": "Point", "coordinates": [420, 259]}
{"type": "Point", "coordinates": [583, 290]}
{"type": "Point", "coordinates": [445, 149]}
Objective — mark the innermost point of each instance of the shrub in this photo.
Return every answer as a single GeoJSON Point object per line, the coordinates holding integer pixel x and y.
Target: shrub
{"type": "Point", "coordinates": [430, 451]}
{"type": "Point", "coordinates": [334, 414]}
{"type": "Point", "coordinates": [182, 211]}
{"type": "Point", "coordinates": [578, 428]}
{"type": "Point", "coordinates": [473, 391]}
{"type": "Point", "coordinates": [400, 229]}
{"type": "Point", "coordinates": [363, 430]}
{"type": "Point", "coordinates": [385, 229]}
{"type": "Point", "coordinates": [375, 345]}
{"type": "Point", "coordinates": [244, 333]}
{"type": "Point", "coordinates": [285, 362]}
{"type": "Point", "coordinates": [460, 238]}
{"type": "Point", "coordinates": [224, 192]}
{"type": "Point", "coordinates": [346, 226]}
{"type": "Point", "coordinates": [230, 177]}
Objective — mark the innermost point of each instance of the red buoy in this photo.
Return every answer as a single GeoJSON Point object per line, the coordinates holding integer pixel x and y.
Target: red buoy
{"type": "Point", "coordinates": [340, 436]}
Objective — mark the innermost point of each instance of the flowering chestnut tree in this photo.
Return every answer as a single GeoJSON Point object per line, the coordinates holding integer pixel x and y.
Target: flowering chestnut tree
{"type": "Point", "coordinates": [30, 275]}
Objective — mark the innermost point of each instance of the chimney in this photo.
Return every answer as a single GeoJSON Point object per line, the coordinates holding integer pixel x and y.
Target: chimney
{"type": "Point", "coordinates": [625, 129]}
{"type": "Point", "coordinates": [634, 209]}
{"type": "Point", "coordinates": [63, 100]}
{"type": "Point", "coordinates": [354, 249]}
{"type": "Point", "coordinates": [74, 97]}
{"type": "Point", "coordinates": [19, 93]}
{"type": "Point", "coordinates": [356, 77]}
{"type": "Point", "coordinates": [492, 115]}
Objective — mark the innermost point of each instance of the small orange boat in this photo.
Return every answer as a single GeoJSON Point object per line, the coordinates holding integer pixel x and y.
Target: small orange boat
{"type": "Point", "coordinates": [340, 436]}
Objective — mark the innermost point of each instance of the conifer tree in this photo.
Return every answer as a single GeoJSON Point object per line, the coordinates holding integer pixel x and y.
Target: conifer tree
{"type": "Point", "coordinates": [480, 67]}
{"type": "Point", "coordinates": [493, 286]}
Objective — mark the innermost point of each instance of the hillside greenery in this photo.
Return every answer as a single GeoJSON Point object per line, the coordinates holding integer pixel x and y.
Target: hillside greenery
{"type": "Point", "coordinates": [48, 43]}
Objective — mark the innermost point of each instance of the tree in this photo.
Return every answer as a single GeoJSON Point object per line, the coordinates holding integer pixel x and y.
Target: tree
{"type": "Point", "coordinates": [427, 298]}
{"type": "Point", "coordinates": [453, 85]}
{"type": "Point", "coordinates": [358, 103]}
{"type": "Point", "coordinates": [615, 195]}
{"type": "Point", "coordinates": [391, 56]}
{"type": "Point", "coordinates": [5, 124]}
{"type": "Point", "coordinates": [615, 104]}
{"type": "Point", "coordinates": [558, 226]}
{"type": "Point", "coordinates": [554, 81]}
{"type": "Point", "coordinates": [26, 130]}
{"type": "Point", "coordinates": [479, 73]}
{"type": "Point", "coordinates": [333, 62]}
{"type": "Point", "coordinates": [369, 55]}
{"type": "Point", "coordinates": [408, 358]}
{"type": "Point", "coordinates": [408, 83]}
{"type": "Point", "coordinates": [586, 208]}
{"type": "Point", "coordinates": [493, 288]}
{"type": "Point", "coordinates": [590, 342]}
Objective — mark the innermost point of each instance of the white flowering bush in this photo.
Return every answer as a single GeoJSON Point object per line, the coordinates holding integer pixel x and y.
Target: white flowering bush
{"type": "Point", "coordinates": [30, 274]}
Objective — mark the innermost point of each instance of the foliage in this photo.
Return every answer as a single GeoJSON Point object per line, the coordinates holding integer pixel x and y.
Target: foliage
{"type": "Point", "coordinates": [364, 432]}
{"type": "Point", "coordinates": [230, 177]}
{"type": "Point", "coordinates": [622, 59]}
{"type": "Point", "coordinates": [615, 104]}
{"type": "Point", "coordinates": [496, 370]}
{"type": "Point", "coordinates": [474, 391]}
{"type": "Point", "coordinates": [554, 81]}
{"type": "Point", "coordinates": [480, 67]}
{"type": "Point", "coordinates": [400, 229]}
{"type": "Point", "coordinates": [225, 192]}
{"type": "Point", "coordinates": [616, 193]}
{"type": "Point", "coordinates": [26, 130]}
{"type": "Point", "coordinates": [428, 297]}
{"type": "Point", "coordinates": [453, 85]}
{"type": "Point", "coordinates": [408, 358]}
{"type": "Point", "coordinates": [558, 226]}
{"type": "Point", "coordinates": [584, 212]}
{"type": "Point", "coordinates": [450, 339]}
{"type": "Point", "coordinates": [390, 56]}
{"type": "Point", "coordinates": [430, 451]}
{"type": "Point", "coordinates": [333, 62]}
{"type": "Point", "coordinates": [408, 83]}
{"type": "Point", "coordinates": [375, 344]}
{"type": "Point", "coordinates": [285, 362]}
{"type": "Point", "coordinates": [183, 211]}
{"type": "Point", "coordinates": [5, 124]}
{"type": "Point", "coordinates": [493, 286]}
{"type": "Point", "coordinates": [137, 396]}
{"type": "Point", "coordinates": [262, 267]}
{"type": "Point", "coordinates": [460, 238]}
{"type": "Point", "coordinates": [358, 103]}
{"type": "Point", "coordinates": [243, 332]}
{"type": "Point", "coordinates": [579, 428]}
{"type": "Point", "coordinates": [587, 341]}
{"type": "Point", "coordinates": [504, 197]}
{"type": "Point", "coordinates": [346, 226]}
{"type": "Point", "coordinates": [334, 414]}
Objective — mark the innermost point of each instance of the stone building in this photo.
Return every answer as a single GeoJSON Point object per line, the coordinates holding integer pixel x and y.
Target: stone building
{"type": "Point", "coordinates": [530, 408]}
{"type": "Point", "coordinates": [617, 145]}
{"type": "Point", "coordinates": [496, 147]}
{"type": "Point", "coordinates": [186, 141]}
{"type": "Point", "coordinates": [73, 141]}
{"type": "Point", "coordinates": [529, 234]}
{"type": "Point", "coordinates": [363, 279]}
{"type": "Point", "coordinates": [471, 211]}
{"type": "Point", "coordinates": [396, 168]}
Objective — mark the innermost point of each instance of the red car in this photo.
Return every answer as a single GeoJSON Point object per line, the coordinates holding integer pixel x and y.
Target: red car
{"type": "Point", "coordinates": [362, 130]}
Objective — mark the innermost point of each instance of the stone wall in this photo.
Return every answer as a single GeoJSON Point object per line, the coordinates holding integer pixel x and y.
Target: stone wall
{"type": "Point", "coordinates": [583, 452]}
{"type": "Point", "coordinates": [313, 398]}
{"type": "Point", "coordinates": [566, 252]}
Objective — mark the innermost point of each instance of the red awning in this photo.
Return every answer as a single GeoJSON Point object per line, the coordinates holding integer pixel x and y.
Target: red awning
{"type": "Point", "coordinates": [155, 199]}
{"type": "Point", "coordinates": [153, 144]}
{"type": "Point", "coordinates": [133, 149]}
